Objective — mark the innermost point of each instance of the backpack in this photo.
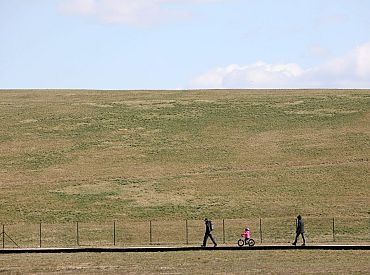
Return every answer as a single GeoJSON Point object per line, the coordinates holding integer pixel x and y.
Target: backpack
{"type": "Point", "coordinates": [211, 226]}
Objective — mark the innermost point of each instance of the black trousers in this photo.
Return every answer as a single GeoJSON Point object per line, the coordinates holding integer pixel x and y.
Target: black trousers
{"type": "Point", "coordinates": [297, 235]}
{"type": "Point", "coordinates": [206, 235]}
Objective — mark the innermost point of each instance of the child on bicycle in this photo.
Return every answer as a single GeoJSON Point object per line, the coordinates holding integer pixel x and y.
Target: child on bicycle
{"type": "Point", "coordinates": [246, 234]}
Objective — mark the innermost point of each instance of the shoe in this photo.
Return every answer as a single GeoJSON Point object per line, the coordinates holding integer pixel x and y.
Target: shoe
{"type": "Point", "coordinates": [215, 245]}
{"type": "Point", "coordinates": [294, 244]}
{"type": "Point", "coordinates": [303, 244]}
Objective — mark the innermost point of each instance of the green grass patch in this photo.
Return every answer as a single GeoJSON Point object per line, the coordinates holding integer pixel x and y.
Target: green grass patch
{"type": "Point", "coordinates": [160, 155]}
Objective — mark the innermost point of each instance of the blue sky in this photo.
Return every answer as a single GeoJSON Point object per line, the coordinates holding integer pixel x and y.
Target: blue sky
{"type": "Point", "coordinates": [184, 44]}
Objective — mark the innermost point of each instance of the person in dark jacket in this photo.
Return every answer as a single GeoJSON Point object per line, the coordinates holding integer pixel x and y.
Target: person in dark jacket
{"type": "Point", "coordinates": [208, 233]}
{"type": "Point", "coordinates": [299, 230]}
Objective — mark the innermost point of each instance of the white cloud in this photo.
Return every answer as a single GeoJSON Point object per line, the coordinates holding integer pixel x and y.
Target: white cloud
{"type": "Point", "coordinates": [252, 75]}
{"type": "Point", "coordinates": [319, 52]}
{"type": "Point", "coordinates": [130, 12]}
{"type": "Point", "coordinates": [349, 71]}
{"type": "Point", "coordinates": [78, 7]}
{"type": "Point", "coordinates": [362, 61]}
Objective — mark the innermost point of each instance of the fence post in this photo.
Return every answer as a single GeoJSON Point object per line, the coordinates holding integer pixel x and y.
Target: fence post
{"type": "Point", "coordinates": [150, 232]}
{"type": "Point", "coordinates": [186, 232]}
{"type": "Point", "coordinates": [261, 230]}
{"type": "Point", "coordinates": [77, 235]}
{"type": "Point", "coordinates": [40, 234]}
{"type": "Point", "coordinates": [333, 230]}
{"type": "Point", "coordinates": [223, 230]}
{"type": "Point", "coordinates": [114, 233]}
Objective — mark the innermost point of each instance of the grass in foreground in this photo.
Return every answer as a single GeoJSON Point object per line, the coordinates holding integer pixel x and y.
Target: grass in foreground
{"type": "Point", "coordinates": [211, 262]}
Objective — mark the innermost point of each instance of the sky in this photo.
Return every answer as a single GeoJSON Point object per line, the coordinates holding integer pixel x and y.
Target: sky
{"type": "Point", "coordinates": [184, 44]}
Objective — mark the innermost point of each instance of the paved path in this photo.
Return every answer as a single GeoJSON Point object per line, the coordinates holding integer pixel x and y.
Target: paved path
{"type": "Point", "coordinates": [180, 248]}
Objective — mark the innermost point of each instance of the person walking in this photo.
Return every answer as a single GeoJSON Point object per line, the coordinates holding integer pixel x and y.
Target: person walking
{"type": "Point", "coordinates": [299, 230]}
{"type": "Point", "coordinates": [208, 233]}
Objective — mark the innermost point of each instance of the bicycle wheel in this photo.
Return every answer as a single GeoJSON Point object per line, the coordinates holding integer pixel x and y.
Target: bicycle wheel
{"type": "Point", "coordinates": [241, 242]}
{"type": "Point", "coordinates": [251, 242]}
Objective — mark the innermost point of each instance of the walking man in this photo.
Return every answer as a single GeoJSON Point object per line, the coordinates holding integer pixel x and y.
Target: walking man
{"type": "Point", "coordinates": [208, 233]}
{"type": "Point", "coordinates": [299, 230]}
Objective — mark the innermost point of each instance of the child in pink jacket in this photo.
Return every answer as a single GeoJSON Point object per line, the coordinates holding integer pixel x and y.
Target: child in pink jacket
{"type": "Point", "coordinates": [246, 234]}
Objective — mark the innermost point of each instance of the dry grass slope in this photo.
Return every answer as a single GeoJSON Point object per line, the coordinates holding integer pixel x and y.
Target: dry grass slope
{"type": "Point", "coordinates": [103, 155]}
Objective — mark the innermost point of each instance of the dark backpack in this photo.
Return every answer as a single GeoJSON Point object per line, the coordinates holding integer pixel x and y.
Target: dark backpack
{"type": "Point", "coordinates": [211, 226]}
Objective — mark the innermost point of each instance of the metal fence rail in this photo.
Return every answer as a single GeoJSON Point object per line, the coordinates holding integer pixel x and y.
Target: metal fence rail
{"type": "Point", "coordinates": [184, 232]}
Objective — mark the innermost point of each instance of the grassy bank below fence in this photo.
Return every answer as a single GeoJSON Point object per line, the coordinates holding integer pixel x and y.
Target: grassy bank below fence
{"type": "Point", "coordinates": [200, 262]}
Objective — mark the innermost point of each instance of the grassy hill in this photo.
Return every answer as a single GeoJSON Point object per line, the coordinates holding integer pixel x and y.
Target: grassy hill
{"type": "Point", "coordinates": [102, 155]}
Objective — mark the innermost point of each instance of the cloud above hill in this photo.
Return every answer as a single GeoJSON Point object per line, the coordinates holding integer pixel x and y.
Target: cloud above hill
{"type": "Point", "coordinates": [140, 13]}
{"type": "Point", "coordinates": [349, 71]}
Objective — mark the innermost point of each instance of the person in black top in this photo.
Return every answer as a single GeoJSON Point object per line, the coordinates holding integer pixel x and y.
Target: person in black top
{"type": "Point", "coordinates": [208, 233]}
{"type": "Point", "coordinates": [299, 230]}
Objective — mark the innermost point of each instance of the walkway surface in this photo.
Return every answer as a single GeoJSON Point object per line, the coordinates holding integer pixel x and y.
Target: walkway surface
{"type": "Point", "coordinates": [179, 248]}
